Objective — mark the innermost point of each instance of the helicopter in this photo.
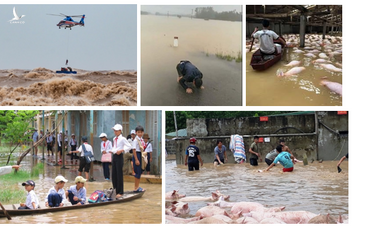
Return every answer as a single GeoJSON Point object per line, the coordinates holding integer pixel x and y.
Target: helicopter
{"type": "Point", "coordinates": [68, 22]}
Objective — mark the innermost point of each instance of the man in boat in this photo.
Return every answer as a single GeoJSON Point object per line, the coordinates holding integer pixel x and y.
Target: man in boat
{"type": "Point", "coordinates": [189, 73]}
{"type": "Point", "coordinates": [266, 38]}
{"type": "Point", "coordinates": [77, 193]}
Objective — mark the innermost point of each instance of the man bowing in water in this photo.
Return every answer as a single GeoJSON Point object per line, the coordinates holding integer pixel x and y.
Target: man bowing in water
{"type": "Point", "coordinates": [189, 73]}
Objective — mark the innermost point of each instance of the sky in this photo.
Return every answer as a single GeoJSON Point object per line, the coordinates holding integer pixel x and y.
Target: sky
{"type": "Point", "coordinates": [108, 41]}
{"type": "Point", "coordinates": [186, 9]}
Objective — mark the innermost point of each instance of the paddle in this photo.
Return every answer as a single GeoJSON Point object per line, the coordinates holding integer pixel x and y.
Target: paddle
{"type": "Point", "coordinates": [5, 212]}
{"type": "Point", "coordinates": [253, 39]}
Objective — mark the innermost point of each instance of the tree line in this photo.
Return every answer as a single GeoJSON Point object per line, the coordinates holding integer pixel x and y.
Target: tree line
{"type": "Point", "coordinates": [209, 13]}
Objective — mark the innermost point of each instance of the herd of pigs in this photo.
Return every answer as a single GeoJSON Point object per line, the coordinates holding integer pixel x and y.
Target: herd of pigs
{"type": "Point", "coordinates": [321, 51]}
{"type": "Point", "coordinates": [220, 211]}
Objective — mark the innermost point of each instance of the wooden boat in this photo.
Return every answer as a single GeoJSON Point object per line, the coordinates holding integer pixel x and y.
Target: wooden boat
{"type": "Point", "coordinates": [263, 62]}
{"type": "Point", "coordinates": [13, 211]}
{"type": "Point", "coordinates": [146, 179]}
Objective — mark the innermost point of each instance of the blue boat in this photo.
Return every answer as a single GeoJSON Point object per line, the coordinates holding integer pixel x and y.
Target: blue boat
{"type": "Point", "coordinates": [67, 70]}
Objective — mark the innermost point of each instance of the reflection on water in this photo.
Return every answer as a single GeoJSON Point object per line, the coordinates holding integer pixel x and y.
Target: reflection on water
{"type": "Point", "coordinates": [266, 89]}
{"type": "Point", "coordinates": [198, 41]}
{"type": "Point", "coordinates": [143, 210]}
{"type": "Point", "coordinates": [317, 187]}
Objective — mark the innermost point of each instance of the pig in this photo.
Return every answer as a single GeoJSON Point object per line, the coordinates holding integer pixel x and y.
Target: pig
{"type": "Point", "coordinates": [208, 220]}
{"type": "Point", "coordinates": [320, 60]}
{"type": "Point", "coordinates": [323, 219]}
{"type": "Point", "coordinates": [215, 196]}
{"type": "Point", "coordinates": [323, 55]}
{"type": "Point", "coordinates": [331, 67]}
{"type": "Point", "coordinates": [246, 207]}
{"type": "Point", "coordinates": [178, 220]}
{"type": "Point", "coordinates": [291, 72]}
{"type": "Point", "coordinates": [181, 209]}
{"type": "Point", "coordinates": [225, 218]}
{"type": "Point", "coordinates": [246, 220]}
{"type": "Point", "coordinates": [294, 217]}
{"type": "Point", "coordinates": [222, 203]}
{"type": "Point", "coordinates": [272, 221]}
{"type": "Point", "coordinates": [209, 211]}
{"type": "Point", "coordinates": [310, 55]}
{"type": "Point", "coordinates": [298, 51]}
{"type": "Point", "coordinates": [173, 195]}
{"type": "Point", "coordinates": [293, 63]}
{"type": "Point", "coordinates": [333, 86]}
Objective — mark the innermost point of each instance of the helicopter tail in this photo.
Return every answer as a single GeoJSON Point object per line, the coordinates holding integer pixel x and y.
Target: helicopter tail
{"type": "Point", "coordinates": [82, 20]}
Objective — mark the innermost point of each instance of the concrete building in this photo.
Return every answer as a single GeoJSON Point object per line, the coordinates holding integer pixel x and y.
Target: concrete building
{"type": "Point", "coordinates": [92, 123]}
{"type": "Point", "coordinates": [318, 135]}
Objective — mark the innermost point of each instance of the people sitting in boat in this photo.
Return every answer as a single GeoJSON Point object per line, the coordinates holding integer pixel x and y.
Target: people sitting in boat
{"type": "Point", "coordinates": [189, 73]}
{"type": "Point", "coordinates": [266, 39]}
{"type": "Point", "coordinates": [56, 196]}
{"type": "Point", "coordinates": [32, 200]}
{"type": "Point", "coordinates": [77, 193]}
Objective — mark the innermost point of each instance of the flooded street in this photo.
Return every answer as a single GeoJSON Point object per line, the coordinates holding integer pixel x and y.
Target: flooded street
{"type": "Point", "coordinates": [317, 187]}
{"type": "Point", "coordinates": [303, 89]}
{"type": "Point", "coordinates": [143, 210]}
{"type": "Point", "coordinates": [198, 41]}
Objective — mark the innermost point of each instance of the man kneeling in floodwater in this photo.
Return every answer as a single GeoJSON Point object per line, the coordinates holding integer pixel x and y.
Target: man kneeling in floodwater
{"type": "Point", "coordinates": [285, 158]}
{"type": "Point", "coordinates": [189, 73]}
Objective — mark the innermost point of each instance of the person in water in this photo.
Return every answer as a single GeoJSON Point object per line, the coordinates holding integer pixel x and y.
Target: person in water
{"type": "Point", "coordinates": [187, 72]}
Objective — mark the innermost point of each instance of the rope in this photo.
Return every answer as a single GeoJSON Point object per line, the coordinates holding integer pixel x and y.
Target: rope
{"type": "Point", "coordinates": [340, 149]}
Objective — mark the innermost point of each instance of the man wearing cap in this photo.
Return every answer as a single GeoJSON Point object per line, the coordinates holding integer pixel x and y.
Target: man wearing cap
{"type": "Point", "coordinates": [187, 72]}
{"type": "Point", "coordinates": [32, 199]}
{"type": "Point", "coordinates": [120, 146]}
{"type": "Point", "coordinates": [56, 196]}
{"type": "Point", "coordinates": [192, 157]}
{"type": "Point", "coordinates": [106, 147]}
{"type": "Point", "coordinates": [83, 164]}
{"type": "Point", "coordinates": [77, 193]}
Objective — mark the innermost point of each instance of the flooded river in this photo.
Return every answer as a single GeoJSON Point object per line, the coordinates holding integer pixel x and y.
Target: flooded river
{"type": "Point", "coordinates": [198, 41]}
{"type": "Point", "coordinates": [147, 209]}
{"type": "Point", "coordinates": [303, 89]}
{"type": "Point", "coordinates": [317, 187]}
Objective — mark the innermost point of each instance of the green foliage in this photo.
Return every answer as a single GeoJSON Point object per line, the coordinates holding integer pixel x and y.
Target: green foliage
{"type": "Point", "coordinates": [209, 13]}
{"type": "Point", "coordinates": [15, 125]}
{"type": "Point", "coordinates": [181, 116]}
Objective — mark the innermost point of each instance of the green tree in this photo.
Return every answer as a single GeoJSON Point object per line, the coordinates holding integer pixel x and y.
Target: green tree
{"type": "Point", "coordinates": [16, 126]}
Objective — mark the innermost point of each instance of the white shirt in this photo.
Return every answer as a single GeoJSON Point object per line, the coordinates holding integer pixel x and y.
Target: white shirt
{"type": "Point", "coordinates": [121, 143]}
{"type": "Point", "coordinates": [266, 39]}
{"type": "Point", "coordinates": [59, 137]}
{"type": "Point", "coordinates": [5, 170]}
{"type": "Point", "coordinates": [108, 146]}
{"type": "Point", "coordinates": [149, 147]}
{"type": "Point", "coordinates": [135, 144]}
{"type": "Point", "coordinates": [87, 147]}
{"type": "Point", "coordinates": [60, 192]}
{"type": "Point", "coordinates": [31, 197]}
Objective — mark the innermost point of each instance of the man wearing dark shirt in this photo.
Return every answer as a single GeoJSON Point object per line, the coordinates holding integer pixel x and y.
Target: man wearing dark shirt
{"type": "Point", "coordinates": [189, 73]}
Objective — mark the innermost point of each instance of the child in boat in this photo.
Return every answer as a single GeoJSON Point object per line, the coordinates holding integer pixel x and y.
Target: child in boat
{"type": "Point", "coordinates": [32, 199]}
{"type": "Point", "coordinates": [138, 147]}
{"type": "Point", "coordinates": [77, 193]}
{"type": "Point", "coordinates": [56, 196]}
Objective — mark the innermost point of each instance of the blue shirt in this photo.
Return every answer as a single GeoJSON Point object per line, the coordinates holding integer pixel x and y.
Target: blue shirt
{"type": "Point", "coordinates": [220, 153]}
{"type": "Point", "coordinates": [192, 151]}
{"type": "Point", "coordinates": [81, 194]}
{"type": "Point", "coordinates": [285, 160]}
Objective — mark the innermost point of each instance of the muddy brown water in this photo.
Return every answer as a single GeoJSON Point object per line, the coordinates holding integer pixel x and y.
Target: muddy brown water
{"type": "Point", "coordinates": [317, 187]}
{"type": "Point", "coordinates": [264, 88]}
{"type": "Point", "coordinates": [198, 41]}
{"type": "Point", "coordinates": [146, 209]}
